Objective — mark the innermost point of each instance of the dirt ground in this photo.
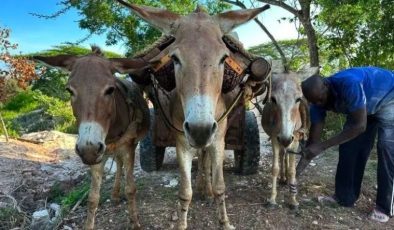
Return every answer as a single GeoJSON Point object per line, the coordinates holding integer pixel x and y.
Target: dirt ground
{"type": "Point", "coordinates": [31, 169]}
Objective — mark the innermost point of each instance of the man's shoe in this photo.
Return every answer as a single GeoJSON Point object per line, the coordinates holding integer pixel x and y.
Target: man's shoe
{"type": "Point", "coordinates": [327, 200]}
{"type": "Point", "coordinates": [379, 216]}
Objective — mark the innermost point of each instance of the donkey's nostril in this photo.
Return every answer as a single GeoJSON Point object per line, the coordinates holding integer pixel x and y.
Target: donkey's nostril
{"type": "Point", "coordinates": [101, 147]}
{"type": "Point", "coordinates": [214, 127]}
{"type": "Point", "coordinates": [292, 138]}
{"type": "Point", "coordinates": [77, 149]}
{"type": "Point", "coordinates": [187, 127]}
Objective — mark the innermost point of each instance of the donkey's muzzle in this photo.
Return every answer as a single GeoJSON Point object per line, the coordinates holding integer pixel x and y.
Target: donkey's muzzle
{"type": "Point", "coordinates": [285, 141]}
{"type": "Point", "coordinates": [200, 134]}
{"type": "Point", "coordinates": [90, 153]}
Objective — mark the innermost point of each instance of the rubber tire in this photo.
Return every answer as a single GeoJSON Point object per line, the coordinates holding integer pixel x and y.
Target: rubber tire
{"type": "Point", "coordinates": [247, 160]}
{"type": "Point", "coordinates": [151, 156]}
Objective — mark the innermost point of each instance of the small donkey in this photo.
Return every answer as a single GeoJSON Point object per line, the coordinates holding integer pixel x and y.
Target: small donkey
{"type": "Point", "coordinates": [285, 118]}
{"type": "Point", "coordinates": [111, 115]}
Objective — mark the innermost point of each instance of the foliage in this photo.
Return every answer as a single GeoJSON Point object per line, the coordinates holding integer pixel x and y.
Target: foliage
{"type": "Point", "coordinates": [362, 31]}
{"type": "Point", "coordinates": [72, 50]}
{"type": "Point", "coordinates": [28, 101]}
{"type": "Point", "coordinates": [11, 218]}
{"type": "Point", "coordinates": [110, 18]}
{"type": "Point", "coordinates": [296, 52]}
{"type": "Point", "coordinates": [12, 68]}
{"type": "Point", "coordinates": [53, 83]}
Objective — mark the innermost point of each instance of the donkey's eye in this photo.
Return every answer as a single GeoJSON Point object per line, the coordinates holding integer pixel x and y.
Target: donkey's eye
{"type": "Point", "coordinates": [109, 91]}
{"type": "Point", "coordinates": [273, 100]}
{"type": "Point", "coordinates": [175, 59]}
{"type": "Point", "coordinates": [69, 90]}
{"type": "Point", "coordinates": [223, 59]}
{"type": "Point", "coordinates": [298, 100]}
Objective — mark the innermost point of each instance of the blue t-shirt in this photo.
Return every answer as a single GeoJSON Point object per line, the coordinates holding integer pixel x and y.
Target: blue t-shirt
{"type": "Point", "coordinates": [358, 87]}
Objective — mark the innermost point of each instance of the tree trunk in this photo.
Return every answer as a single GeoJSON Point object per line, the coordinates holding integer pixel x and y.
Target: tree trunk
{"type": "Point", "coordinates": [4, 128]}
{"type": "Point", "coordinates": [312, 42]}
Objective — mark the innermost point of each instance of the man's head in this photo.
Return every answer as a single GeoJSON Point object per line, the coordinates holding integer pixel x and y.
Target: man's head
{"type": "Point", "coordinates": [315, 90]}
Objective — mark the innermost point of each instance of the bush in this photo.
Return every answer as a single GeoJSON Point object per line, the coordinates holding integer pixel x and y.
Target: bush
{"type": "Point", "coordinates": [31, 111]}
{"type": "Point", "coordinates": [53, 83]}
{"type": "Point", "coordinates": [333, 124]}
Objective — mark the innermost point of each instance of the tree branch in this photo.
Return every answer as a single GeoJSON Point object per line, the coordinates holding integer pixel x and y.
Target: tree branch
{"type": "Point", "coordinates": [67, 5]}
{"type": "Point", "coordinates": [274, 42]}
{"type": "Point", "coordinates": [283, 5]}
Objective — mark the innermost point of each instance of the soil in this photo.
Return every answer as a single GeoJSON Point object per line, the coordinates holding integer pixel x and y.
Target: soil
{"type": "Point", "coordinates": [33, 168]}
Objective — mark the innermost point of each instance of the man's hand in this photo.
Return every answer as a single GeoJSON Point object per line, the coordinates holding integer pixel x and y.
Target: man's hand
{"type": "Point", "coordinates": [313, 150]}
{"type": "Point", "coordinates": [308, 153]}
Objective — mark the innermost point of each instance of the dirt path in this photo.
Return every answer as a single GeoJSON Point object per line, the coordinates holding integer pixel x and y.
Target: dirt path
{"type": "Point", "coordinates": [25, 168]}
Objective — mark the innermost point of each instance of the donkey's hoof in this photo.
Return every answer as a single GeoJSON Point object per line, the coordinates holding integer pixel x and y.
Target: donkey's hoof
{"type": "Point", "coordinates": [136, 226]}
{"type": "Point", "coordinates": [181, 226]}
{"type": "Point", "coordinates": [115, 200]}
{"type": "Point", "coordinates": [271, 205]}
{"type": "Point", "coordinates": [294, 207]}
{"type": "Point", "coordinates": [282, 182]}
{"type": "Point", "coordinates": [228, 226]}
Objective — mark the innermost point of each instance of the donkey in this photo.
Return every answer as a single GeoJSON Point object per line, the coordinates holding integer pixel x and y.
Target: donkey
{"type": "Point", "coordinates": [198, 54]}
{"type": "Point", "coordinates": [285, 119]}
{"type": "Point", "coordinates": [111, 116]}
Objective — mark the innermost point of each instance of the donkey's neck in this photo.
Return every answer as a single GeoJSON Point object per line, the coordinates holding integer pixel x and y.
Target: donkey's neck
{"type": "Point", "coordinates": [121, 117]}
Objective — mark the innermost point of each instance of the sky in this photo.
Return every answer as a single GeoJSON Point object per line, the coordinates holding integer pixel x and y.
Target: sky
{"type": "Point", "coordinates": [34, 34]}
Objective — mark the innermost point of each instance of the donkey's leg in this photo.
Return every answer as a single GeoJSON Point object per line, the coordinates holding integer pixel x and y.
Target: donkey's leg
{"type": "Point", "coordinates": [292, 177]}
{"type": "Point", "coordinates": [118, 177]}
{"type": "Point", "coordinates": [204, 178]}
{"type": "Point", "coordinates": [208, 176]}
{"type": "Point", "coordinates": [184, 156]}
{"type": "Point", "coordinates": [216, 153]}
{"type": "Point", "coordinates": [130, 188]}
{"type": "Point", "coordinates": [282, 166]}
{"type": "Point", "coordinates": [94, 193]}
{"type": "Point", "coordinates": [200, 179]}
{"type": "Point", "coordinates": [275, 169]}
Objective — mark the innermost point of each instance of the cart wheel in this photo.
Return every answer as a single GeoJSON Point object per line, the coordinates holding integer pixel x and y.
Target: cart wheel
{"type": "Point", "coordinates": [151, 156]}
{"type": "Point", "coordinates": [247, 160]}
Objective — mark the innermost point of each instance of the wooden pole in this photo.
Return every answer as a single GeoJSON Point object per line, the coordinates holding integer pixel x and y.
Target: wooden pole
{"type": "Point", "coordinates": [4, 128]}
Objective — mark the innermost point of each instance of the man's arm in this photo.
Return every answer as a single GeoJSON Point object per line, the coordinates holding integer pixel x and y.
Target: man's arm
{"type": "Point", "coordinates": [315, 132]}
{"type": "Point", "coordinates": [357, 124]}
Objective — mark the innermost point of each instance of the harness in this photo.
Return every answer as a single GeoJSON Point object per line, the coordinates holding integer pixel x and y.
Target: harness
{"type": "Point", "coordinates": [236, 67]}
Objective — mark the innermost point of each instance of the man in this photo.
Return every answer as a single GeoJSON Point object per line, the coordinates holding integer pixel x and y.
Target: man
{"type": "Point", "coordinates": [366, 96]}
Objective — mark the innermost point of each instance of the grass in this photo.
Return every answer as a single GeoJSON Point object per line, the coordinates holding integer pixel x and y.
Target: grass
{"type": "Point", "coordinates": [11, 218]}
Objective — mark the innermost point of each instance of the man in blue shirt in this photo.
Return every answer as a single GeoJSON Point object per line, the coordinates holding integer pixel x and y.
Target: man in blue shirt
{"type": "Point", "coordinates": [366, 96]}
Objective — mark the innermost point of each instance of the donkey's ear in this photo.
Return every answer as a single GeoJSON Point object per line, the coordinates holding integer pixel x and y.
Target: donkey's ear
{"type": "Point", "coordinates": [231, 19]}
{"type": "Point", "coordinates": [127, 65]}
{"type": "Point", "coordinates": [62, 61]}
{"type": "Point", "coordinates": [163, 20]}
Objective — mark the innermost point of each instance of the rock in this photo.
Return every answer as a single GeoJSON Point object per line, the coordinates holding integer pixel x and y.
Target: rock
{"type": "Point", "coordinates": [41, 220]}
{"type": "Point", "coordinates": [65, 227]}
{"type": "Point", "coordinates": [56, 209]}
{"type": "Point", "coordinates": [315, 222]}
{"type": "Point", "coordinates": [174, 216]}
{"type": "Point", "coordinates": [173, 183]}
{"type": "Point", "coordinates": [34, 121]}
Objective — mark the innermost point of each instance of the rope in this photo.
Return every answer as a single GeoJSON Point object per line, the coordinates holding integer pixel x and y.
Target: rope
{"type": "Point", "coordinates": [168, 122]}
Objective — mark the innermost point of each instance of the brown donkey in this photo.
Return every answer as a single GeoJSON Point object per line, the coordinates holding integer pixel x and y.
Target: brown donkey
{"type": "Point", "coordinates": [111, 115]}
{"type": "Point", "coordinates": [198, 54]}
{"type": "Point", "coordinates": [285, 119]}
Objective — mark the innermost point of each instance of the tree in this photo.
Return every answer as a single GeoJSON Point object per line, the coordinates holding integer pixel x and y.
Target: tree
{"type": "Point", "coordinates": [17, 69]}
{"type": "Point", "coordinates": [362, 31]}
{"type": "Point", "coordinates": [110, 18]}
{"type": "Point", "coordinates": [301, 9]}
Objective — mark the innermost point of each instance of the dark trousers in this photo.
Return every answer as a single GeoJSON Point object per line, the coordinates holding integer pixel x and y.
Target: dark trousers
{"type": "Point", "coordinates": [353, 156]}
